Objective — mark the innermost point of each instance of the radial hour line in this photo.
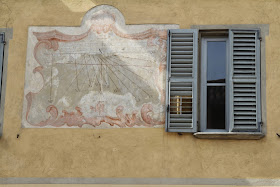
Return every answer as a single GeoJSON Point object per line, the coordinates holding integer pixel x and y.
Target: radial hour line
{"type": "Point", "coordinates": [115, 57]}
{"type": "Point", "coordinates": [103, 64]}
{"type": "Point", "coordinates": [93, 69]}
{"type": "Point", "coordinates": [131, 81]}
{"type": "Point", "coordinates": [104, 74]}
{"type": "Point", "coordinates": [129, 78]}
{"type": "Point", "coordinates": [101, 80]}
{"type": "Point", "coordinates": [128, 70]}
{"type": "Point", "coordinates": [83, 82]}
{"type": "Point", "coordinates": [131, 57]}
{"type": "Point", "coordinates": [73, 80]}
{"type": "Point", "coordinates": [82, 86]}
{"type": "Point", "coordinates": [113, 81]}
{"type": "Point", "coordinates": [143, 67]}
{"type": "Point", "coordinates": [88, 73]}
{"type": "Point", "coordinates": [77, 75]}
{"type": "Point", "coordinates": [96, 59]}
{"type": "Point", "coordinates": [119, 79]}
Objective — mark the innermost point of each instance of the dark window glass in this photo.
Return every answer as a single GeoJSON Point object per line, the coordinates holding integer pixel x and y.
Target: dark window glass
{"type": "Point", "coordinates": [216, 62]}
{"type": "Point", "coordinates": [215, 107]}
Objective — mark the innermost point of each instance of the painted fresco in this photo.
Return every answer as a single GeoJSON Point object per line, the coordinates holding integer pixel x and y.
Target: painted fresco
{"type": "Point", "coordinates": [104, 74]}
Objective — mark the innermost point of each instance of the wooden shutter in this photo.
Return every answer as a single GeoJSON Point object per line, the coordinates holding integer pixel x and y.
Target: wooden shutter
{"type": "Point", "coordinates": [245, 98]}
{"type": "Point", "coordinates": [2, 41]}
{"type": "Point", "coordinates": [181, 88]}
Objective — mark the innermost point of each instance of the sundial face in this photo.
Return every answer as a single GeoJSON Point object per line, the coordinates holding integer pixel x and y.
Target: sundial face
{"type": "Point", "coordinates": [102, 75]}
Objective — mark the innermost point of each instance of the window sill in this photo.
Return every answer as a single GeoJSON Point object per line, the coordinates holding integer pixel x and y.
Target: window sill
{"type": "Point", "coordinates": [229, 135]}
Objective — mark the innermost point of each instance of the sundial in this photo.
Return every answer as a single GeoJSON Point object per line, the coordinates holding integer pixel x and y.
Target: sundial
{"type": "Point", "coordinates": [104, 74]}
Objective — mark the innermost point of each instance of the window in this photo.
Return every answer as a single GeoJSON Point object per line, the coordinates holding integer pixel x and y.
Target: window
{"type": "Point", "coordinates": [5, 36]}
{"type": "Point", "coordinates": [214, 86]}
{"type": "Point", "coordinates": [214, 89]}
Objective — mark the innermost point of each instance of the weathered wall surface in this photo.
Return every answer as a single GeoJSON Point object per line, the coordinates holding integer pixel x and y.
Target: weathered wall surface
{"type": "Point", "coordinates": [130, 152]}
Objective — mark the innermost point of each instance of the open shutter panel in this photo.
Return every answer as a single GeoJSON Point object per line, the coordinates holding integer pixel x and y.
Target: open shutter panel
{"type": "Point", "coordinates": [181, 90]}
{"type": "Point", "coordinates": [2, 41]}
{"type": "Point", "coordinates": [245, 104]}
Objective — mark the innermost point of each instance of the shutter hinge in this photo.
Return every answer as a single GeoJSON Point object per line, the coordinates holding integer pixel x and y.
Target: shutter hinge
{"type": "Point", "coordinates": [169, 79]}
{"type": "Point", "coordinates": [261, 123]}
{"type": "Point", "coordinates": [260, 38]}
{"type": "Point", "coordinates": [3, 39]}
{"type": "Point", "coordinates": [167, 108]}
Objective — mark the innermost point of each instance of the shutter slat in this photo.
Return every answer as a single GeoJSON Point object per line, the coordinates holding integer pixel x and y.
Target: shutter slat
{"type": "Point", "coordinates": [245, 128]}
{"type": "Point", "coordinates": [244, 99]}
{"type": "Point", "coordinates": [243, 90]}
{"type": "Point", "coordinates": [180, 116]}
{"type": "Point", "coordinates": [243, 44]}
{"type": "Point", "coordinates": [181, 125]}
{"type": "Point", "coordinates": [181, 65]}
{"type": "Point", "coordinates": [181, 74]}
{"type": "Point", "coordinates": [245, 40]}
{"type": "Point", "coordinates": [246, 62]}
{"type": "Point", "coordinates": [180, 93]}
{"type": "Point", "coordinates": [244, 94]}
{"type": "Point", "coordinates": [244, 57]}
{"type": "Point", "coordinates": [181, 52]}
{"type": "Point", "coordinates": [185, 35]}
{"type": "Point", "coordinates": [182, 79]}
{"type": "Point", "coordinates": [182, 43]}
{"type": "Point", "coordinates": [244, 113]}
{"type": "Point", "coordinates": [244, 53]}
{"type": "Point", "coordinates": [246, 117]}
{"type": "Point", "coordinates": [187, 70]}
{"type": "Point", "coordinates": [181, 61]}
{"type": "Point", "coordinates": [244, 108]}
{"type": "Point", "coordinates": [244, 86]}
{"type": "Point", "coordinates": [181, 56]}
{"type": "Point", "coordinates": [244, 66]}
{"type": "Point", "coordinates": [245, 48]}
{"type": "Point", "coordinates": [243, 103]}
{"type": "Point", "coordinates": [181, 48]}
{"type": "Point", "coordinates": [244, 36]}
{"type": "Point", "coordinates": [181, 39]}
{"type": "Point", "coordinates": [173, 88]}
{"type": "Point", "coordinates": [180, 120]}
{"type": "Point", "coordinates": [244, 72]}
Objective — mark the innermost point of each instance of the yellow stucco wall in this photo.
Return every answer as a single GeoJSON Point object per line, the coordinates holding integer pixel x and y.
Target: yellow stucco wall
{"type": "Point", "coordinates": [109, 185]}
{"type": "Point", "coordinates": [135, 152]}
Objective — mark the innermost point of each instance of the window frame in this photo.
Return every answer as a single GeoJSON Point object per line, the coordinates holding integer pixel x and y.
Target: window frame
{"type": "Point", "coordinates": [203, 84]}
{"type": "Point", "coordinates": [8, 35]}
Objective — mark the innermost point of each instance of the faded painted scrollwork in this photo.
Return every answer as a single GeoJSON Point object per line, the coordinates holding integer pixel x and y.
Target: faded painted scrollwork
{"type": "Point", "coordinates": [103, 74]}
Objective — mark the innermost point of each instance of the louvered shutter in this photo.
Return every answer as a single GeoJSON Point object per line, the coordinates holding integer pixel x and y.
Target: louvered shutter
{"type": "Point", "coordinates": [2, 41]}
{"type": "Point", "coordinates": [245, 98]}
{"type": "Point", "coordinates": [181, 88]}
